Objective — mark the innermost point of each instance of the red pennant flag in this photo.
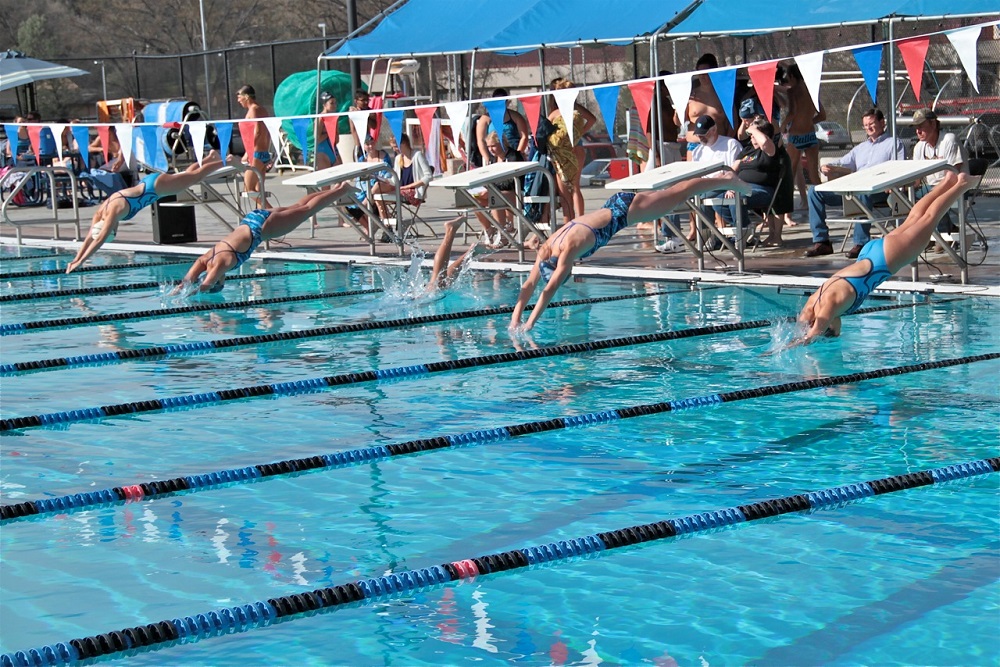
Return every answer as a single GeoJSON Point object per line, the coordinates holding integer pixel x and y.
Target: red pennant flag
{"type": "Point", "coordinates": [246, 134]}
{"type": "Point", "coordinates": [426, 117]}
{"type": "Point", "coordinates": [35, 136]}
{"type": "Point", "coordinates": [330, 123]}
{"type": "Point", "coordinates": [914, 52]}
{"type": "Point", "coordinates": [532, 107]}
{"type": "Point", "coordinates": [104, 132]}
{"type": "Point", "coordinates": [762, 76]}
{"type": "Point", "coordinates": [642, 95]}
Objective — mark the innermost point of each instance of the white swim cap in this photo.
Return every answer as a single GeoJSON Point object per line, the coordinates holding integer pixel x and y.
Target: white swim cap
{"type": "Point", "coordinates": [95, 232]}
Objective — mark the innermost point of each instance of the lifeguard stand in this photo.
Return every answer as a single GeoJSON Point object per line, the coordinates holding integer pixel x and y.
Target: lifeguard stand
{"type": "Point", "coordinates": [119, 111]}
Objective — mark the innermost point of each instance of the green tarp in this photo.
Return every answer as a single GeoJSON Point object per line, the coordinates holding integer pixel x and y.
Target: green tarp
{"type": "Point", "coordinates": [296, 96]}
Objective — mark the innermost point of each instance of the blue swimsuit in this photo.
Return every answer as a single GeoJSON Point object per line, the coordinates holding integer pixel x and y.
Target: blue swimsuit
{"type": "Point", "coordinates": [255, 221]}
{"type": "Point", "coordinates": [877, 274]}
{"type": "Point", "coordinates": [148, 196]}
{"type": "Point", "coordinates": [618, 204]}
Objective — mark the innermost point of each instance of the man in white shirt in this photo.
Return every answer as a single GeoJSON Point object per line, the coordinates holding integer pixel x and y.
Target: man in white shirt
{"type": "Point", "coordinates": [713, 147]}
{"type": "Point", "coordinates": [933, 145]}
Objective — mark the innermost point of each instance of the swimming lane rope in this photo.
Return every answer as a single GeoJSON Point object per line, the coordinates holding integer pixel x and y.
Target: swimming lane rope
{"type": "Point", "coordinates": [107, 289]}
{"type": "Point", "coordinates": [87, 269]}
{"type": "Point", "coordinates": [259, 472]}
{"type": "Point", "coordinates": [229, 620]}
{"type": "Point", "coordinates": [21, 327]}
{"type": "Point", "coordinates": [257, 339]}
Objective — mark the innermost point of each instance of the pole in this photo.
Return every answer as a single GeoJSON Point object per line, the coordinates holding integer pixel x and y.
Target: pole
{"type": "Point", "coordinates": [204, 57]}
{"type": "Point", "coordinates": [352, 26]}
{"type": "Point", "coordinates": [892, 89]}
{"type": "Point", "coordinates": [104, 80]}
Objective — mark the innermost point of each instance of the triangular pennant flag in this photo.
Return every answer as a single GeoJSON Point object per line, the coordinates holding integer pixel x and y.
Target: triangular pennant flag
{"type": "Point", "coordinates": [57, 130]}
{"type": "Point", "coordinates": [965, 41]}
{"type": "Point", "coordinates": [198, 129]}
{"type": "Point", "coordinates": [679, 87]}
{"type": "Point", "coordinates": [532, 107]}
{"type": "Point", "coordinates": [395, 119]}
{"type": "Point", "coordinates": [104, 134]}
{"type": "Point", "coordinates": [82, 137]}
{"type": "Point", "coordinates": [607, 102]}
{"type": "Point", "coordinates": [811, 67]}
{"type": "Point", "coordinates": [273, 126]}
{"type": "Point", "coordinates": [497, 109]}
{"type": "Point", "coordinates": [151, 144]}
{"type": "Point", "coordinates": [225, 133]}
{"type": "Point", "coordinates": [642, 95]}
{"type": "Point", "coordinates": [724, 82]}
{"type": "Point", "coordinates": [300, 126]}
{"type": "Point", "coordinates": [914, 51]}
{"type": "Point", "coordinates": [13, 140]}
{"type": "Point", "coordinates": [359, 119]}
{"type": "Point", "coordinates": [762, 77]}
{"type": "Point", "coordinates": [425, 115]}
{"type": "Point", "coordinates": [35, 137]}
{"type": "Point", "coordinates": [457, 112]}
{"type": "Point", "coordinates": [566, 102]}
{"type": "Point", "coordinates": [332, 129]}
{"type": "Point", "coordinates": [246, 134]}
{"type": "Point", "coordinates": [124, 132]}
{"type": "Point", "coordinates": [869, 59]}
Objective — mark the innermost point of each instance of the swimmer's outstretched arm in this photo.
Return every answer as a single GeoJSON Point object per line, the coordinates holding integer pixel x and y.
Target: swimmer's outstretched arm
{"type": "Point", "coordinates": [563, 269]}
{"type": "Point", "coordinates": [527, 290]}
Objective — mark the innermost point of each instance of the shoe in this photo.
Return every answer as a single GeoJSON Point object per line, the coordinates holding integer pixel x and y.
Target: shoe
{"type": "Point", "coordinates": [854, 252]}
{"type": "Point", "coordinates": [713, 244]}
{"type": "Point", "coordinates": [669, 245]}
{"type": "Point", "coordinates": [821, 248]}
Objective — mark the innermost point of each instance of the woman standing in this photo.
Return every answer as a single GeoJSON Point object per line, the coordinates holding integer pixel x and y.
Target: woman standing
{"type": "Point", "coordinates": [563, 153]}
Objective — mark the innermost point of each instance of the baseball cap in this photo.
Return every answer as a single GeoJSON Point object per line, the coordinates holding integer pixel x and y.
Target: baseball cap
{"type": "Point", "coordinates": [703, 125]}
{"type": "Point", "coordinates": [750, 108]}
{"type": "Point", "coordinates": [920, 115]}
{"type": "Point", "coordinates": [324, 96]}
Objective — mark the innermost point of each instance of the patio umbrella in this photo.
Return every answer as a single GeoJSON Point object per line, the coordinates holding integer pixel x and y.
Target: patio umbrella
{"type": "Point", "coordinates": [17, 69]}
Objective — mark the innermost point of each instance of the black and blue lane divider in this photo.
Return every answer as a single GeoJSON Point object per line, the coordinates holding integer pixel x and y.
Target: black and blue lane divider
{"type": "Point", "coordinates": [322, 462]}
{"type": "Point", "coordinates": [245, 617]}
{"type": "Point", "coordinates": [317, 332]}
{"type": "Point", "coordinates": [108, 289]}
{"type": "Point", "coordinates": [294, 387]}
{"type": "Point", "coordinates": [88, 269]}
{"type": "Point", "coordinates": [21, 327]}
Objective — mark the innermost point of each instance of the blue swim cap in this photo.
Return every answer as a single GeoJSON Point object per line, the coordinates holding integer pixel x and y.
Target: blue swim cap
{"type": "Point", "coordinates": [547, 268]}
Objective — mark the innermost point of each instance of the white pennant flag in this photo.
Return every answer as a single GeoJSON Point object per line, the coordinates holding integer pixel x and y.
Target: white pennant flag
{"type": "Point", "coordinates": [57, 130]}
{"type": "Point", "coordinates": [811, 66]}
{"type": "Point", "coordinates": [273, 126]}
{"type": "Point", "coordinates": [359, 119]}
{"type": "Point", "coordinates": [565, 100]}
{"type": "Point", "coordinates": [124, 132]}
{"type": "Point", "coordinates": [964, 41]}
{"type": "Point", "coordinates": [679, 87]}
{"type": "Point", "coordinates": [457, 113]}
{"type": "Point", "coordinates": [198, 129]}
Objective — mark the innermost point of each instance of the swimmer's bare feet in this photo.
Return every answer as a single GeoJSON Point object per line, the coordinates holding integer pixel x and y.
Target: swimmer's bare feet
{"type": "Point", "coordinates": [452, 226]}
{"type": "Point", "coordinates": [211, 156]}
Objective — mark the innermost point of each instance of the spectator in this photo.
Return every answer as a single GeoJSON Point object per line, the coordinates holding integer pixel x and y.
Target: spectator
{"type": "Point", "coordinates": [760, 167]}
{"type": "Point", "coordinates": [668, 129]}
{"type": "Point", "coordinates": [879, 147]}
{"type": "Point", "coordinates": [563, 155]}
{"type": "Point", "coordinates": [933, 145]}
{"type": "Point", "coordinates": [513, 135]}
{"type": "Point", "coordinates": [712, 147]}
{"type": "Point", "coordinates": [259, 154]}
{"type": "Point", "coordinates": [326, 146]}
{"type": "Point", "coordinates": [413, 174]}
{"type": "Point", "coordinates": [799, 127]}
{"type": "Point", "coordinates": [705, 102]}
{"type": "Point", "coordinates": [502, 218]}
{"type": "Point", "coordinates": [361, 103]}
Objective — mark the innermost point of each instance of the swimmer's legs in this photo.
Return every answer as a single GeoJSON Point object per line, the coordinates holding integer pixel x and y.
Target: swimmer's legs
{"type": "Point", "coordinates": [651, 205]}
{"type": "Point", "coordinates": [285, 219]}
{"type": "Point", "coordinates": [905, 243]}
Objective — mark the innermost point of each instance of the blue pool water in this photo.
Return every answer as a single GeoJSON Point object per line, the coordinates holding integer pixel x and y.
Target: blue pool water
{"type": "Point", "coordinates": [905, 578]}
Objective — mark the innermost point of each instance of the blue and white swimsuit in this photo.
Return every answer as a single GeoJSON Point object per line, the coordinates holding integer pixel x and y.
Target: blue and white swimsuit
{"type": "Point", "coordinates": [618, 204]}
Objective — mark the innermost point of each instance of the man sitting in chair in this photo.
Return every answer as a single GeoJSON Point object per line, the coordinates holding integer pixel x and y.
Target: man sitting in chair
{"type": "Point", "coordinates": [877, 148]}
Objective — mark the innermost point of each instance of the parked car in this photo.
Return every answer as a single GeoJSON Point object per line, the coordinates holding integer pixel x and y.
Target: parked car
{"type": "Point", "coordinates": [603, 170]}
{"type": "Point", "coordinates": [833, 134]}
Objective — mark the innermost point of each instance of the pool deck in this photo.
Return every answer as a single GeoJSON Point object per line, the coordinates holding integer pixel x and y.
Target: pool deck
{"type": "Point", "coordinates": [630, 254]}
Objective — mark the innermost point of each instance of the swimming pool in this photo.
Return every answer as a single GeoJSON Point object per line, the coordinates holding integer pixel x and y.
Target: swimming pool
{"type": "Point", "coordinates": [903, 578]}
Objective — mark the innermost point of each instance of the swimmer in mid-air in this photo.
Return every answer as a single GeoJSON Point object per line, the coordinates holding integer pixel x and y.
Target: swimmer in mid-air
{"type": "Point", "coordinates": [846, 290]}
{"type": "Point", "coordinates": [125, 204]}
{"type": "Point", "coordinates": [257, 226]}
{"type": "Point", "coordinates": [592, 231]}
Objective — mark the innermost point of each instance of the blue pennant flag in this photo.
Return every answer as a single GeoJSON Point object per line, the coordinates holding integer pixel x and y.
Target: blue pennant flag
{"type": "Point", "coordinates": [607, 102]}
{"type": "Point", "coordinates": [225, 133]}
{"type": "Point", "coordinates": [497, 109]}
{"type": "Point", "coordinates": [869, 60]}
{"type": "Point", "coordinates": [81, 134]}
{"type": "Point", "coordinates": [12, 139]}
{"type": "Point", "coordinates": [395, 119]}
{"type": "Point", "coordinates": [153, 139]}
{"type": "Point", "coordinates": [724, 83]}
{"type": "Point", "coordinates": [301, 128]}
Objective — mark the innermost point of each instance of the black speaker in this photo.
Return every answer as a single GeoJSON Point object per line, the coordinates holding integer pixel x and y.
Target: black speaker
{"type": "Point", "coordinates": [173, 222]}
